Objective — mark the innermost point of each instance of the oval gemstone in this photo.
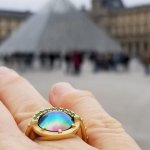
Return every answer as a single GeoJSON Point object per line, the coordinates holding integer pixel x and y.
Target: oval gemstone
{"type": "Point", "coordinates": [56, 121]}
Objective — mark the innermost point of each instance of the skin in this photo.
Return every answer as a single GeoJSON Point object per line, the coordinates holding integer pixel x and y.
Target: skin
{"type": "Point", "coordinates": [19, 101]}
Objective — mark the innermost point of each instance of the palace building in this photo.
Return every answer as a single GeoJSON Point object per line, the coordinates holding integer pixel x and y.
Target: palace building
{"type": "Point", "coordinates": [9, 21]}
{"type": "Point", "coordinates": [130, 26]}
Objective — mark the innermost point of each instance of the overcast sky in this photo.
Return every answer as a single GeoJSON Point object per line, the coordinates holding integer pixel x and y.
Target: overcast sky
{"type": "Point", "coordinates": [35, 5]}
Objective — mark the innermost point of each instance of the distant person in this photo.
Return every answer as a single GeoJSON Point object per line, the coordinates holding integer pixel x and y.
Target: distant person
{"type": "Point", "coordinates": [111, 63]}
{"type": "Point", "coordinates": [7, 60]}
{"type": "Point", "coordinates": [99, 62]}
{"type": "Point", "coordinates": [43, 59]}
{"type": "Point", "coordinates": [146, 61]}
{"type": "Point", "coordinates": [68, 62]}
{"type": "Point", "coordinates": [93, 59]}
{"type": "Point", "coordinates": [29, 59]}
{"type": "Point", "coordinates": [52, 59]}
{"type": "Point", "coordinates": [58, 59]}
{"type": "Point", "coordinates": [125, 61]}
{"type": "Point", "coordinates": [77, 60]}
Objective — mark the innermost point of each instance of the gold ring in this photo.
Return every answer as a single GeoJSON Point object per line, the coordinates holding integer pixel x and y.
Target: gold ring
{"type": "Point", "coordinates": [56, 124]}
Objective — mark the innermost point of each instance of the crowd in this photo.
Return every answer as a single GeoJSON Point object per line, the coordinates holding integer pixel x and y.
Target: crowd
{"type": "Point", "coordinates": [109, 61]}
{"type": "Point", "coordinates": [74, 60]}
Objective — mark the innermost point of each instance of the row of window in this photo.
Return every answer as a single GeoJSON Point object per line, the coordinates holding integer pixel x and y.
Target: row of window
{"type": "Point", "coordinates": [133, 30]}
{"type": "Point", "coordinates": [5, 32]}
{"type": "Point", "coordinates": [9, 23]}
{"type": "Point", "coordinates": [136, 46]}
{"type": "Point", "coordinates": [7, 26]}
{"type": "Point", "coordinates": [128, 20]}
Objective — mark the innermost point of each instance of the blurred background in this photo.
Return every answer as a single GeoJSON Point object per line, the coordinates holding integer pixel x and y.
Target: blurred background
{"type": "Point", "coordinates": [97, 45]}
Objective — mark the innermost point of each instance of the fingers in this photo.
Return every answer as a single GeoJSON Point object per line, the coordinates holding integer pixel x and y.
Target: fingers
{"type": "Point", "coordinates": [7, 124]}
{"type": "Point", "coordinates": [19, 96]}
{"type": "Point", "coordinates": [82, 102]}
{"type": "Point", "coordinates": [104, 132]}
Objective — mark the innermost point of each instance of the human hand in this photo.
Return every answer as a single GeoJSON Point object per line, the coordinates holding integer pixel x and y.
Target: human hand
{"type": "Point", "coordinates": [20, 101]}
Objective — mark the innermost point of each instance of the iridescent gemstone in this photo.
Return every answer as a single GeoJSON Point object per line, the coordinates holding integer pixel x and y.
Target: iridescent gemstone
{"type": "Point", "coordinates": [56, 121]}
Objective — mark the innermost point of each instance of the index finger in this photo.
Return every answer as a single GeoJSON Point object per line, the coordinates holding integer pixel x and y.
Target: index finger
{"type": "Point", "coordinates": [19, 96]}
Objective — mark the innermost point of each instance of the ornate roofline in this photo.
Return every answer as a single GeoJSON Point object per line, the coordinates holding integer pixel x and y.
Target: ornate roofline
{"type": "Point", "coordinates": [9, 13]}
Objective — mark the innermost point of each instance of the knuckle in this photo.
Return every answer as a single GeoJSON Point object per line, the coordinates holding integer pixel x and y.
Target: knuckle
{"type": "Point", "coordinates": [106, 123]}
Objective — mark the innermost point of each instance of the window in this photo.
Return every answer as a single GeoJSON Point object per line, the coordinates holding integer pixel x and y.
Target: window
{"type": "Point", "coordinates": [3, 22]}
{"type": "Point", "coordinates": [145, 46]}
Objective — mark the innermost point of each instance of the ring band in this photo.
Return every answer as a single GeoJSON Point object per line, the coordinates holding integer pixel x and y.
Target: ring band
{"type": "Point", "coordinates": [56, 124]}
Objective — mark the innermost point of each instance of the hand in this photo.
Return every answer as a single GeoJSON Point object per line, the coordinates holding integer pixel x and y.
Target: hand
{"type": "Point", "coordinates": [20, 101]}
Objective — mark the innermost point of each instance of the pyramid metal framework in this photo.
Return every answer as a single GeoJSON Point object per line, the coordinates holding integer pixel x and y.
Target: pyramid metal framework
{"type": "Point", "coordinates": [59, 26]}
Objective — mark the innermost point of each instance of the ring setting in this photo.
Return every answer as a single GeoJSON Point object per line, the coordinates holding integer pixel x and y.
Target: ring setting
{"type": "Point", "coordinates": [56, 124]}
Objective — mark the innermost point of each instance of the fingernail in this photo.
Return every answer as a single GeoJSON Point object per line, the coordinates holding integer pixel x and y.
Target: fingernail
{"type": "Point", "coordinates": [62, 89]}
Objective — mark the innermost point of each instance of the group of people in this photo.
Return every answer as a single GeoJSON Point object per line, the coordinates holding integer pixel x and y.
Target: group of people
{"type": "Point", "coordinates": [19, 58]}
{"type": "Point", "coordinates": [47, 60]}
{"type": "Point", "coordinates": [73, 60]}
{"type": "Point", "coordinates": [109, 61]}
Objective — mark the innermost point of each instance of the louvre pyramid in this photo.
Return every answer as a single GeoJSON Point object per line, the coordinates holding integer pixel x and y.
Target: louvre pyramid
{"type": "Point", "coordinates": [59, 26]}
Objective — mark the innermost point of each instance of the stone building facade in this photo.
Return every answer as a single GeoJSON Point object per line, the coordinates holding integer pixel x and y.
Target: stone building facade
{"type": "Point", "coordinates": [9, 21]}
{"type": "Point", "coordinates": [130, 26]}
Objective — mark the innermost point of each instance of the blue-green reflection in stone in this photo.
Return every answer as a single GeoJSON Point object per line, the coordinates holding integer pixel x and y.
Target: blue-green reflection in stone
{"type": "Point", "coordinates": [55, 121]}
